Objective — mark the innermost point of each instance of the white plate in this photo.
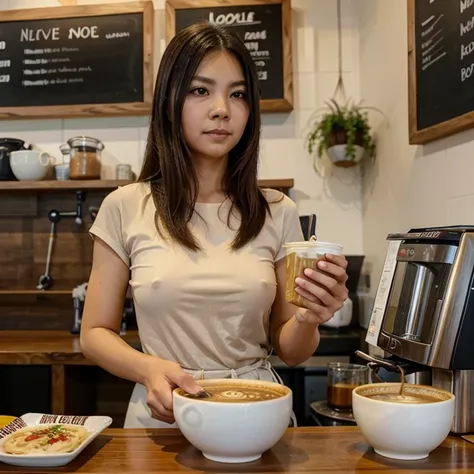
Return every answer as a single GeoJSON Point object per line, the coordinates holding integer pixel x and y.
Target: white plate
{"type": "Point", "coordinates": [94, 424]}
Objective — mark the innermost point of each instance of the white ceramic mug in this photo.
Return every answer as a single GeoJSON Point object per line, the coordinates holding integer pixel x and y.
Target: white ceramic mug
{"type": "Point", "coordinates": [30, 165]}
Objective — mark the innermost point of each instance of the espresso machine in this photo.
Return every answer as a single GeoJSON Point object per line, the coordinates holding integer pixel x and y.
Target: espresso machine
{"type": "Point", "coordinates": [423, 315]}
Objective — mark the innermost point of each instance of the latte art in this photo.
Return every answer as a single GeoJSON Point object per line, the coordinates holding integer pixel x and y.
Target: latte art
{"type": "Point", "coordinates": [239, 394]}
{"type": "Point", "coordinates": [410, 399]}
{"type": "Point", "coordinates": [412, 394]}
{"type": "Point", "coordinates": [236, 395]}
{"type": "Point", "coordinates": [243, 395]}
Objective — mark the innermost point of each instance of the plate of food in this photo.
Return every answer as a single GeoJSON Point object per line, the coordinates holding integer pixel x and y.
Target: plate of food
{"type": "Point", "coordinates": [42, 440]}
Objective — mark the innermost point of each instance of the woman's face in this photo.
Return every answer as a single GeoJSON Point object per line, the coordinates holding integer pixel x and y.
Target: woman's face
{"type": "Point", "coordinates": [215, 110]}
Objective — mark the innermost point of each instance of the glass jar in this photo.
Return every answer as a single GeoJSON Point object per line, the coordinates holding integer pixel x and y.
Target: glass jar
{"type": "Point", "coordinates": [85, 157]}
{"type": "Point", "coordinates": [65, 153]}
{"type": "Point", "coordinates": [123, 171]}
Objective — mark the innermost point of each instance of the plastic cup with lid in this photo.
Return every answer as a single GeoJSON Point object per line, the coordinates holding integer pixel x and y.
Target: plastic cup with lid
{"type": "Point", "coordinates": [302, 255]}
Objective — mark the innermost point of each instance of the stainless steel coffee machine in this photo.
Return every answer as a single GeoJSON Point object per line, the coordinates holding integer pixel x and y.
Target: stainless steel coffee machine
{"type": "Point", "coordinates": [425, 313]}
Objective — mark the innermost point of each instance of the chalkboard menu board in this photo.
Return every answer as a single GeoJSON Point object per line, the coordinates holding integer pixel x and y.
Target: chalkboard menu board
{"type": "Point", "coordinates": [76, 61]}
{"type": "Point", "coordinates": [264, 26]}
{"type": "Point", "coordinates": [441, 68]}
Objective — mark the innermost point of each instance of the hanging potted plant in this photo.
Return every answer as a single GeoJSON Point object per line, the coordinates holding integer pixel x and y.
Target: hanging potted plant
{"type": "Point", "coordinates": [343, 133]}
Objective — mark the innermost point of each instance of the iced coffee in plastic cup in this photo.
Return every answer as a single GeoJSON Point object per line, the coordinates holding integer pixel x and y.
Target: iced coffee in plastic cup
{"type": "Point", "coordinates": [301, 255]}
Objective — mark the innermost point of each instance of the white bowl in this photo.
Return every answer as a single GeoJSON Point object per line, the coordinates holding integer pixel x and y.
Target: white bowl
{"type": "Point", "coordinates": [30, 165]}
{"type": "Point", "coordinates": [234, 432]}
{"type": "Point", "coordinates": [401, 430]}
{"type": "Point", "coordinates": [93, 424]}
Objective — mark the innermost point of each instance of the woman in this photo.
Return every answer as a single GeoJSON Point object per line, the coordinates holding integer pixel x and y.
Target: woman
{"type": "Point", "coordinates": [200, 245]}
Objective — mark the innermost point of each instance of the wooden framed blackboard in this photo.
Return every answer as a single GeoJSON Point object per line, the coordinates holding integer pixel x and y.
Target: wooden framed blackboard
{"type": "Point", "coordinates": [265, 27]}
{"type": "Point", "coordinates": [78, 61]}
{"type": "Point", "coordinates": [440, 68]}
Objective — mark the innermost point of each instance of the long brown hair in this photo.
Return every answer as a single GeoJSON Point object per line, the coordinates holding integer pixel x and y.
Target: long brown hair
{"type": "Point", "coordinates": [168, 164]}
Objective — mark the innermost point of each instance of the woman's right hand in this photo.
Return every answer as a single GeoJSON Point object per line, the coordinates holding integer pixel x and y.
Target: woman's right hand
{"type": "Point", "coordinates": [162, 378]}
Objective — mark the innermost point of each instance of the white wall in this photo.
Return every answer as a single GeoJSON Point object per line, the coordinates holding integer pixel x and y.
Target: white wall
{"type": "Point", "coordinates": [336, 200]}
{"type": "Point", "coordinates": [409, 186]}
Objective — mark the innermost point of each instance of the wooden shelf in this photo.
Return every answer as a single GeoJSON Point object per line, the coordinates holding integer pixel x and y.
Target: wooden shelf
{"type": "Point", "coordinates": [283, 184]}
{"type": "Point", "coordinates": [69, 185]}
{"type": "Point", "coordinates": [100, 184]}
{"type": "Point", "coordinates": [48, 347]}
{"type": "Point", "coordinates": [35, 292]}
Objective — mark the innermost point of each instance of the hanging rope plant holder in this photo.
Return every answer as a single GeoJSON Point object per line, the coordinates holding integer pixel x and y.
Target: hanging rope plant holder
{"type": "Point", "coordinates": [343, 131]}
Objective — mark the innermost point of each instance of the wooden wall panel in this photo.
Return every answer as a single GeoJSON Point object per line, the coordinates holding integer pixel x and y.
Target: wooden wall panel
{"type": "Point", "coordinates": [24, 235]}
{"type": "Point", "coordinates": [32, 312]}
{"type": "Point", "coordinates": [24, 241]}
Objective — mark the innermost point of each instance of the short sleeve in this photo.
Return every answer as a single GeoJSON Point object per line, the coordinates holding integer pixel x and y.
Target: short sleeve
{"type": "Point", "coordinates": [291, 228]}
{"type": "Point", "coordinates": [108, 225]}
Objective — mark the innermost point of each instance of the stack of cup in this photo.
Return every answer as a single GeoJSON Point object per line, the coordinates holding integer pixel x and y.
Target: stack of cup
{"type": "Point", "coordinates": [62, 171]}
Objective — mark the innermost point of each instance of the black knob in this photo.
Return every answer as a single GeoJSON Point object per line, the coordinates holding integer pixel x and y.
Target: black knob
{"type": "Point", "coordinates": [54, 216]}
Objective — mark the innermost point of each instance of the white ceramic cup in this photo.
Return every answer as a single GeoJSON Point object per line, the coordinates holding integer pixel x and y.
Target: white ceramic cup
{"type": "Point", "coordinates": [30, 165]}
{"type": "Point", "coordinates": [234, 432]}
{"type": "Point", "coordinates": [403, 430]}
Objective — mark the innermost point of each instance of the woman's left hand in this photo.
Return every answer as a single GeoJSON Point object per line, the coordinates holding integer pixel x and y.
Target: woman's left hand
{"type": "Point", "coordinates": [323, 293]}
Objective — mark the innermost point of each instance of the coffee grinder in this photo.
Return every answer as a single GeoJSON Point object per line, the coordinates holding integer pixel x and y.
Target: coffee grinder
{"type": "Point", "coordinates": [423, 315]}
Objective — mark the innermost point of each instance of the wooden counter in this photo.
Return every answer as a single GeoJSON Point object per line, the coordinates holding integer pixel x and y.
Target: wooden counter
{"type": "Point", "coordinates": [75, 384]}
{"type": "Point", "coordinates": [301, 450]}
{"type": "Point", "coordinates": [59, 350]}
{"type": "Point", "coordinates": [47, 347]}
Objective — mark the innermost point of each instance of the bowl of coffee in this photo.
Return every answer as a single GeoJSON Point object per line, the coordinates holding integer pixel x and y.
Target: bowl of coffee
{"type": "Point", "coordinates": [239, 419]}
{"type": "Point", "coordinates": [302, 255]}
{"type": "Point", "coordinates": [403, 421]}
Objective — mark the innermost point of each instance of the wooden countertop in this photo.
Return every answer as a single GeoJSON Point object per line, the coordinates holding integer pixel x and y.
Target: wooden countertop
{"type": "Point", "coordinates": [301, 450]}
{"type": "Point", "coordinates": [59, 349]}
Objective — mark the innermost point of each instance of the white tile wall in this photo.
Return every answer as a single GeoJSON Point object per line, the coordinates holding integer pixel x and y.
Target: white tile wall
{"type": "Point", "coordinates": [460, 209]}
{"type": "Point", "coordinates": [410, 186]}
{"type": "Point", "coordinates": [327, 51]}
{"type": "Point", "coordinates": [19, 4]}
{"type": "Point", "coordinates": [121, 137]}
{"type": "Point", "coordinates": [336, 199]}
{"type": "Point", "coordinates": [42, 134]}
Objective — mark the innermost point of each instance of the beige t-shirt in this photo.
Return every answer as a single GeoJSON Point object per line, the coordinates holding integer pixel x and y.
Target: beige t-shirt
{"type": "Point", "coordinates": [207, 310]}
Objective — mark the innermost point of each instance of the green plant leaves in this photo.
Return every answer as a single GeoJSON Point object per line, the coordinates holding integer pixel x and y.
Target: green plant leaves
{"type": "Point", "coordinates": [349, 121]}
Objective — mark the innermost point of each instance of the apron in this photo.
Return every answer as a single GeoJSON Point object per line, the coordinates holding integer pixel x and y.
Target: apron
{"type": "Point", "coordinates": [139, 415]}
